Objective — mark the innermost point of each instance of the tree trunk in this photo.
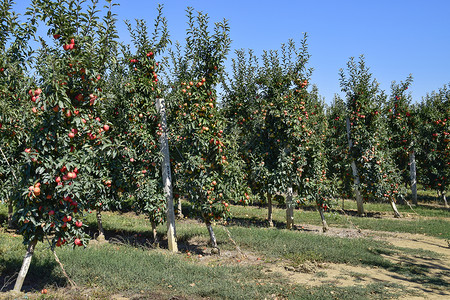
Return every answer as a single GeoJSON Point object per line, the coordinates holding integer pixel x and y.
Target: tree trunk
{"type": "Point", "coordinates": [25, 266]}
{"type": "Point", "coordinates": [394, 208]}
{"type": "Point", "coordinates": [167, 178]}
{"type": "Point", "coordinates": [269, 209]}
{"type": "Point", "coordinates": [101, 231]}
{"type": "Point", "coordinates": [10, 214]}
{"type": "Point", "coordinates": [180, 211]}
{"type": "Point", "coordinates": [445, 199]}
{"type": "Point", "coordinates": [356, 181]}
{"type": "Point", "coordinates": [324, 222]}
{"type": "Point", "coordinates": [412, 168]}
{"type": "Point", "coordinates": [155, 234]}
{"type": "Point", "coordinates": [289, 209]}
{"type": "Point", "coordinates": [212, 238]}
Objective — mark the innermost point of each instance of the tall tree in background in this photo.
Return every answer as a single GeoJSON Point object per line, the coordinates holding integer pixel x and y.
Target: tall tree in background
{"type": "Point", "coordinates": [203, 161]}
{"type": "Point", "coordinates": [15, 111]}
{"type": "Point", "coordinates": [141, 126]}
{"type": "Point", "coordinates": [434, 155]}
{"type": "Point", "coordinates": [376, 177]}
{"type": "Point", "coordinates": [403, 137]}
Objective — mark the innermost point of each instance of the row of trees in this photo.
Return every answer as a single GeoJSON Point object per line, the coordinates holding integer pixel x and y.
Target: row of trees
{"type": "Point", "coordinates": [80, 129]}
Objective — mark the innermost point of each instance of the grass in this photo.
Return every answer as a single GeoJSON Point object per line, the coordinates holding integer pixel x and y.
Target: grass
{"type": "Point", "coordinates": [123, 269]}
{"type": "Point", "coordinates": [133, 268]}
{"type": "Point", "coordinates": [427, 220]}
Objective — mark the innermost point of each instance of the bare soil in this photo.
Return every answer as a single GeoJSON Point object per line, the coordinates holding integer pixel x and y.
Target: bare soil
{"type": "Point", "coordinates": [315, 274]}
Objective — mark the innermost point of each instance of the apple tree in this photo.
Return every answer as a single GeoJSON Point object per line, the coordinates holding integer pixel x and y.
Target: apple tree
{"type": "Point", "coordinates": [377, 178]}
{"type": "Point", "coordinates": [15, 111]}
{"type": "Point", "coordinates": [141, 126]}
{"type": "Point", "coordinates": [403, 138]}
{"type": "Point", "coordinates": [202, 160]}
{"type": "Point", "coordinates": [337, 148]}
{"type": "Point", "coordinates": [434, 141]}
{"type": "Point", "coordinates": [67, 100]}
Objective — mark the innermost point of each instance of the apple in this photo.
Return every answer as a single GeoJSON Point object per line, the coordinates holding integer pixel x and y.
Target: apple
{"type": "Point", "coordinates": [37, 191]}
{"type": "Point", "coordinates": [78, 242]}
{"type": "Point", "coordinates": [71, 135]}
{"type": "Point", "coordinates": [78, 224]}
{"type": "Point", "coordinates": [106, 127]}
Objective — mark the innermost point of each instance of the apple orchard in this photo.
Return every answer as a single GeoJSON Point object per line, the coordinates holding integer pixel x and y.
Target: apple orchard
{"type": "Point", "coordinates": [81, 131]}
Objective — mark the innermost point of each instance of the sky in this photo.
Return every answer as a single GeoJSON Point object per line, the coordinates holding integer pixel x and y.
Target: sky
{"type": "Point", "coordinates": [397, 37]}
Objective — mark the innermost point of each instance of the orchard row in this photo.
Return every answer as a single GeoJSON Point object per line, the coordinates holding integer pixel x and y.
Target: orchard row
{"type": "Point", "coordinates": [80, 131]}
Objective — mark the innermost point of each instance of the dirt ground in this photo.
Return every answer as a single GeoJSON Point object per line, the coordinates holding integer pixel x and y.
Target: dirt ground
{"type": "Point", "coordinates": [342, 275]}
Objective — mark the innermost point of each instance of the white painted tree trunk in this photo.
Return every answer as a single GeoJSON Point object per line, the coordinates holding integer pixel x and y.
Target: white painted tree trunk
{"type": "Point", "coordinates": [180, 211]}
{"type": "Point", "coordinates": [394, 208]}
{"type": "Point", "coordinates": [445, 199]}
{"type": "Point", "coordinates": [412, 171]}
{"type": "Point", "coordinates": [356, 181]}
{"type": "Point", "coordinates": [101, 231]}
{"type": "Point", "coordinates": [289, 209]}
{"type": "Point", "coordinates": [269, 210]}
{"type": "Point", "coordinates": [167, 179]}
{"type": "Point", "coordinates": [324, 222]}
{"type": "Point", "coordinates": [155, 234]}
{"type": "Point", "coordinates": [212, 238]}
{"type": "Point", "coordinates": [25, 266]}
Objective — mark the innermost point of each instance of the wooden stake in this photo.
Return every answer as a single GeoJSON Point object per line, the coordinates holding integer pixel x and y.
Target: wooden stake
{"type": "Point", "coordinates": [412, 171]}
{"type": "Point", "coordinates": [167, 178]}
{"type": "Point", "coordinates": [356, 181]}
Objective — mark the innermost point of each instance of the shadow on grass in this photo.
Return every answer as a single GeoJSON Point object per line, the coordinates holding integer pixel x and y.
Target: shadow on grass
{"type": "Point", "coordinates": [145, 240]}
{"type": "Point", "coordinates": [42, 271]}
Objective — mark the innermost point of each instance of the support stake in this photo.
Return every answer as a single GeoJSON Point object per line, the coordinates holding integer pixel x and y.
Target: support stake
{"type": "Point", "coordinates": [167, 177]}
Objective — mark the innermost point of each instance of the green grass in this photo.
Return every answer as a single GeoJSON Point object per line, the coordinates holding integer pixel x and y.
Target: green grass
{"type": "Point", "coordinates": [427, 220]}
{"type": "Point", "coordinates": [123, 269]}
{"type": "Point", "coordinates": [131, 267]}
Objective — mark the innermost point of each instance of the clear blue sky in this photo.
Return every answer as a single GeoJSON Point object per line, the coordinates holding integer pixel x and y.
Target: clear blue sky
{"type": "Point", "coordinates": [397, 37]}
